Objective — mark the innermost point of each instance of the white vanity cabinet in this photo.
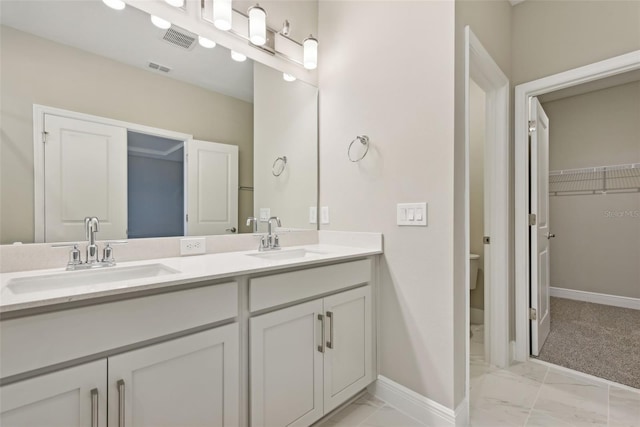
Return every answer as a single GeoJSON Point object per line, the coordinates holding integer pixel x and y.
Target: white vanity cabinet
{"type": "Point", "coordinates": [73, 397]}
{"type": "Point", "coordinates": [189, 381]}
{"type": "Point", "coordinates": [309, 358]}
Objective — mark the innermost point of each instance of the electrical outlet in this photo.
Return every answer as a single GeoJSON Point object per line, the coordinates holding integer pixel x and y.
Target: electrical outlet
{"type": "Point", "coordinates": [193, 246]}
{"type": "Point", "coordinates": [313, 215]}
{"type": "Point", "coordinates": [265, 214]}
{"type": "Point", "coordinates": [324, 215]}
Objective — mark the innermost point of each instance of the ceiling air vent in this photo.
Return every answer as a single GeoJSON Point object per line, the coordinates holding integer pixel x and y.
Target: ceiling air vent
{"type": "Point", "coordinates": [180, 37]}
{"type": "Point", "coordinates": [159, 67]}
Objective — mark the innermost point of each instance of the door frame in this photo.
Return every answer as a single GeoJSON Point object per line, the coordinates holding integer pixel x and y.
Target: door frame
{"type": "Point", "coordinates": [523, 92]}
{"type": "Point", "coordinates": [480, 66]}
{"type": "Point", "coordinates": [39, 112]}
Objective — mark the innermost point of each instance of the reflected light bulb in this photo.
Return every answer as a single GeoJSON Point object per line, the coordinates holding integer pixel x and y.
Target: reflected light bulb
{"type": "Point", "coordinates": [237, 56]}
{"type": "Point", "coordinates": [160, 23]}
{"type": "Point", "coordinates": [288, 77]}
{"type": "Point", "coordinates": [115, 4]}
{"type": "Point", "coordinates": [175, 3]}
{"type": "Point", "coordinates": [205, 42]}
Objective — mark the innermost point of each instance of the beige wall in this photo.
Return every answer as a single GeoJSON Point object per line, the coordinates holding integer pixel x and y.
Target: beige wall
{"type": "Point", "coordinates": [397, 88]}
{"type": "Point", "coordinates": [490, 21]}
{"type": "Point", "coordinates": [476, 185]}
{"type": "Point", "coordinates": [554, 36]}
{"type": "Point", "coordinates": [37, 71]}
{"type": "Point", "coordinates": [285, 124]}
{"type": "Point", "coordinates": [597, 247]}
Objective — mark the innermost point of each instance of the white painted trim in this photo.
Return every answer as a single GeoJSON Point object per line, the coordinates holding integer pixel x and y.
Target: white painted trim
{"type": "Point", "coordinates": [462, 413]}
{"type": "Point", "coordinates": [597, 298]}
{"type": "Point", "coordinates": [423, 409]}
{"type": "Point", "coordinates": [39, 112]}
{"type": "Point", "coordinates": [609, 67]}
{"type": "Point", "coordinates": [480, 66]}
{"type": "Point", "coordinates": [477, 316]}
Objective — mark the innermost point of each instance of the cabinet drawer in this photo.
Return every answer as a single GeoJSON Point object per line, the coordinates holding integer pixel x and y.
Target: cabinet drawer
{"type": "Point", "coordinates": [42, 340]}
{"type": "Point", "coordinates": [279, 289]}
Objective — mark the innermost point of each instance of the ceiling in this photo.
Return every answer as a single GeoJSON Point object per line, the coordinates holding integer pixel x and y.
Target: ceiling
{"type": "Point", "coordinates": [128, 36]}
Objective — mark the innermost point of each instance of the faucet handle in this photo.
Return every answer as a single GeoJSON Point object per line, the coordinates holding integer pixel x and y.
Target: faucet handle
{"type": "Point", "coordinates": [74, 254]}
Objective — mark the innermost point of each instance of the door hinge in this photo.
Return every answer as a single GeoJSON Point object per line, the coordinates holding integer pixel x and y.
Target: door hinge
{"type": "Point", "coordinates": [186, 217]}
{"type": "Point", "coordinates": [533, 314]}
{"type": "Point", "coordinates": [532, 126]}
{"type": "Point", "coordinates": [532, 219]}
{"type": "Point", "coordinates": [44, 137]}
{"type": "Point", "coordinates": [486, 240]}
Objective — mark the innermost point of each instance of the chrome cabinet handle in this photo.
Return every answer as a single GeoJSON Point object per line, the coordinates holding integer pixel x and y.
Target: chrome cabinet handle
{"type": "Point", "coordinates": [321, 346]}
{"type": "Point", "coordinates": [94, 407]}
{"type": "Point", "coordinates": [331, 319]}
{"type": "Point", "coordinates": [550, 235]}
{"type": "Point", "coordinates": [120, 384]}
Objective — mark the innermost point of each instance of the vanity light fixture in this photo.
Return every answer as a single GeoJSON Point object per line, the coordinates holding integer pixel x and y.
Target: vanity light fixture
{"type": "Point", "coordinates": [115, 4]}
{"type": "Point", "coordinates": [237, 56]}
{"type": "Point", "coordinates": [286, 28]}
{"type": "Point", "coordinates": [310, 53]}
{"type": "Point", "coordinates": [160, 23]}
{"type": "Point", "coordinates": [222, 14]}
{"type": "Point", "coordinates": [205, 42]}
{"type": "Point", "coordinates": [288, 77]}
{"type": "Point", "coordinates": [257, 25]}
{"type": "Point", "coordinates": [175, 3]}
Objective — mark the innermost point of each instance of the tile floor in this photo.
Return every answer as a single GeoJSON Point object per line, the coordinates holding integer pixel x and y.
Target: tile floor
{"type": "Point", "coordinates": [528, 394]}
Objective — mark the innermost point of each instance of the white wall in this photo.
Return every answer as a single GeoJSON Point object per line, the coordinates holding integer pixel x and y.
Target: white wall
{"type": "Point", "coordinates": [397, 88]}
{"type": "Point", "coordinates": [477, 119]}
{"type": "Point", "coordinates": [285, 124]}
{"type": "Point", "coordinates": [38, 71]}
{"type": "Point", "coordinates": [597, 244]}
{"type": "Point", "coordinates": [554, 36]}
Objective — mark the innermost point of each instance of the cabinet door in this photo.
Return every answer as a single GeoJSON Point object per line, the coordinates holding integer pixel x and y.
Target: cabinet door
{"type": "Point", "coordinates": [190, 381]}
{"type": "Point", "coordinates": [71, 397]}
{"type": "Point", "coordinates": [286, 366]}
{"type": "Point", "coordinates": [348, 335]}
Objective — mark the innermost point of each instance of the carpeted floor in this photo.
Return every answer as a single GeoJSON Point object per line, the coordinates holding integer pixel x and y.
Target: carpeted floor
{"type": "Point", "coordinates": [597, 339]}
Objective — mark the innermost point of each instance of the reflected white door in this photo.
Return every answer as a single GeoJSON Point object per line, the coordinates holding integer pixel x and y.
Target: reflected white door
{"type": "Point", "coordinates": [540, 234]}
{"type": "Point", "coordinates": [212, 188]}
{"type": "Point", "coordinates": [85, 175]}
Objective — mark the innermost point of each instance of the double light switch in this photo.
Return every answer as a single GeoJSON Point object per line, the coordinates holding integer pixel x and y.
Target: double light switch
{"type": "Point", "coordinates": [412, 214]}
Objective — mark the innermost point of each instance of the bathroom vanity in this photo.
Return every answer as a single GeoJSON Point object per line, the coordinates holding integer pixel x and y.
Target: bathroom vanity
{"type": "Point", "coordinates": [231, 339]}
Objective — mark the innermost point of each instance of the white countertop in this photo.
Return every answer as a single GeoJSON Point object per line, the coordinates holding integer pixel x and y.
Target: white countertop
{"type": "Point", "coordinates": [190, 269]}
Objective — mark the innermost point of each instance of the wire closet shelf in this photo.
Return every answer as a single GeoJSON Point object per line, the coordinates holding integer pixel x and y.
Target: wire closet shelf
{"type": "Point", "coordinates": [595, 180]}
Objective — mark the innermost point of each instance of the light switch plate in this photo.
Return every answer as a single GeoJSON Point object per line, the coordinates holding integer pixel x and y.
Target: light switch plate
{"type": "Point", "coordinates": [265, 214]}
{"type": "Point", "coordinates": [414, 214]}
{"type": "Point", "coordinates": [324, 215]}
{"type": "Point", "coordinates": [193, 246]}
{"type": "Point", "coordinates": [313, 215]}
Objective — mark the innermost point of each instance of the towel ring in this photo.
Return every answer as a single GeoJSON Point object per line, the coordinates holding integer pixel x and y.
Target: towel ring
{"type": "Point", "coordinates": [364, 140]}
{"type": "Point", "coordinates": [282, 164]}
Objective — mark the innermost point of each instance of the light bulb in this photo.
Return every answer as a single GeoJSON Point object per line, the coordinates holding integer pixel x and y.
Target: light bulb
{"type": "Point", "coordinates": [310, 47]}
{"type": "Point", "coordinates": [160, 23]}
{"type": "Point", "coordinates": [175, 3]}
{"type": "Point", "coordinates": [288, 77]}
{"type": "Point", "coordinates": [205, 42]}
{"type": "Point", "coordinates": [115, 4]}
{"type": "Point", "coordinates": [257, 25]}
{"type": "Point", "coordinates": [222, 14]}
{"type": "Point", "coordinates": [237, 56]}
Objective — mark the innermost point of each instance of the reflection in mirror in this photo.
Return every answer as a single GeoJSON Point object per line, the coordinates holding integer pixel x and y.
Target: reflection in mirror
{"type": "Point", "coordinates": [84, 61]}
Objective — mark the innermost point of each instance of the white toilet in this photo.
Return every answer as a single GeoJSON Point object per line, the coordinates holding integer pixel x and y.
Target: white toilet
{"type": "Point", "coordinates": [474, 261]}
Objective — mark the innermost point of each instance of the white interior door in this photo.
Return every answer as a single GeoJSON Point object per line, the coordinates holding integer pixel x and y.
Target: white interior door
{"type": "Point", "coordinates": [212, 188]}
{"type": "Point", "coordinates": [85, 170]}
{"type": "Point", "coordinates": [540, 232]}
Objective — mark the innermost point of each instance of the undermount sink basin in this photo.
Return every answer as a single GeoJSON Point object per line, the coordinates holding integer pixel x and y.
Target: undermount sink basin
{"type": "Point", "coordinates": [73, 279]}
{"type": "Point", "coordinates": [285, 254]}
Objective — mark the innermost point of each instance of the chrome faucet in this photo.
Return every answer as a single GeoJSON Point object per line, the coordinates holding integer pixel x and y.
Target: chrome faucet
{"type": "Point", "coordinates": [271, 241]}
{"type": "Point", "coordinates": [255, 223]}
{"type": "Point", "coordinates": [91, 227]}
{"type": "Point", "coordinates": [92, 260]}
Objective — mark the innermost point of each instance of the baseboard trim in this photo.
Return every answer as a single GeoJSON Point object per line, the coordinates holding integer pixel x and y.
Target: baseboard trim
{"type": "Point", "coordinates": [476, 316]}
{"type": "Point", "coordinates": [596, 298]}
{"type": "Point", "coordinates": [423, 409]}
